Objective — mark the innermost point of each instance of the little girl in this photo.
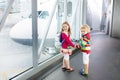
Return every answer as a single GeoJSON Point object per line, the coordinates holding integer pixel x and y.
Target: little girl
{"type": "Point", "coordinates": [85, 48]}
{"type": "Point", "coordinates": [65, 33]}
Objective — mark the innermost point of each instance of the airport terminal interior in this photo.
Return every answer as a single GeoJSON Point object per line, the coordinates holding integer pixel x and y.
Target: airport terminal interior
{"type": "Point", "coordinates": [30, 32]}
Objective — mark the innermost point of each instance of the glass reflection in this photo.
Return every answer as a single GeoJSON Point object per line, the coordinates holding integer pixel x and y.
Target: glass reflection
{"type": "Point", "coordinates": [14, 57]}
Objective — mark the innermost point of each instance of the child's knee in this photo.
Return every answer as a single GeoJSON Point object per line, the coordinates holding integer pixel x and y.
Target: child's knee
{"type": "Point", "coordinates": [85, 58]}
{"type": "Point", "coordinates": [66, 56]}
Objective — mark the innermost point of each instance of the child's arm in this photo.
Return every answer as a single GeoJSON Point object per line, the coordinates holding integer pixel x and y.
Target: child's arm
{"type": "Point", "coordinates": [68, 40]}
{"type": "Point", "coordinates": [86, 40]}
{"type": "Point", "coordinates": [82, 42]}
{"type": "Point", "coordinates": [86, 37]}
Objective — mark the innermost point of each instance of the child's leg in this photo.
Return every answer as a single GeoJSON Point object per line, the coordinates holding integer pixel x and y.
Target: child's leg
{"type": "Point", "coordinates": [66, 60]}
{"type": "Point", "coordinates": [63, 65]}
{"type": "Point", "coordinates": [86, 62]}
{"type": "Point", "coordinates": [67, 63]}
{"type": "Point", "coordinates": [86, 68]}
{"type": "Point", "coordinates": [64, 51]}
{"type": "Point", "coordinates": [70, 52]}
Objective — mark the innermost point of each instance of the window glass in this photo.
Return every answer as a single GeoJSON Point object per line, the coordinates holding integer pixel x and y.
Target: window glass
{"type": "Point", "coordinates": [69, 9]}
{"type": "Point", "coordinates": [15, 41]}
{"type": "Point", "coordinates": [3, 5]}
{"type": "Point", "coordinates": [48, 50]}
{"type": "Point", "coordinates": [60, 9]}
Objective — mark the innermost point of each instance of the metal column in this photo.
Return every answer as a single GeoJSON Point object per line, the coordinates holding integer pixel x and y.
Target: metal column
{"type": "Point", "coordinates": [74, 21]}
{"type": "Point", "coordinates": [34, 33]}
{"type": "Point", "coordinates": [65, 10]}
{"type": "Point", "coordinates": [84, 11]}
{"type": "Point", "coordinates": [5, 14]}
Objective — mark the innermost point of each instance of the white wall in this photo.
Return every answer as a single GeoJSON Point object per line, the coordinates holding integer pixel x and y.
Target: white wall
{"type": "Point", "coordinates": [96, 10]}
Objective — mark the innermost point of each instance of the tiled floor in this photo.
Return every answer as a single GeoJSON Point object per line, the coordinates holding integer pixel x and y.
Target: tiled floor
{"type": "Point", "coordinates": [104, 61]}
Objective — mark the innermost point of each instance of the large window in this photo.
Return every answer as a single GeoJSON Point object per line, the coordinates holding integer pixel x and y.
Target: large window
{"type": "Point", "coordinates": [15, 56]}
{"type": "Point", "coordinates": [16, 35]}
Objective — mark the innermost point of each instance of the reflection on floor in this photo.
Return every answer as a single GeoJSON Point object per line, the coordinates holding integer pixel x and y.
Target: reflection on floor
{"type": "Point", "coordinates": [104, 61]}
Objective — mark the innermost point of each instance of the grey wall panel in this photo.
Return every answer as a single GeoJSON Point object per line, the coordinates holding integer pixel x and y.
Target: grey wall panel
{"type": "Point", "coordinates": [116, 19]}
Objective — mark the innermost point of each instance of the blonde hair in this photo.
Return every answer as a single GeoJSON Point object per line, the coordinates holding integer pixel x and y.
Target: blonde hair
{"type": "Point", "coordinates": [85, 27]}
{"type": "Point", "coordinates": [69, 30]}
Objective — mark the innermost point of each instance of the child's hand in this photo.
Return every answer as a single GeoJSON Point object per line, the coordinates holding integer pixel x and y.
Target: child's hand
{"type": "Point", "coordinates": [77, 46]}
{"type": "Point", "coordinates": [70, 52]}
